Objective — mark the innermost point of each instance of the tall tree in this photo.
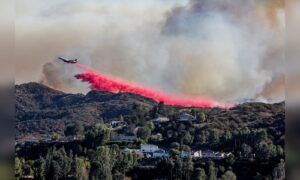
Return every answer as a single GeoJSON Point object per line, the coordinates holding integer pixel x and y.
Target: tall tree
{"type": "Point", "coordinates": [227, 136]}
{"type": "Point", "coordinates": [214, 136]}
{"type": "Point", "coordinates": [178, 168]}
{"type": "Point", "coordinates": [265, 150]}
{"type": "Point", "coordinates": [97, 135]}
{"type": "Point", "coordinates": [101, 165]}
{"type": "Point", "coordinates": [58, 164]}
{"type": "Point", "coordinates": [39, 168]}
{"type": "Point", "coordinates": [79, 168]}
{"type": "Point", "coordinates": [201, 117]}
{"type": "Point", "coordinates": [212, 171]}
{"type": "Point", "coordinates": [199, 174]}
{"type": "Point", "coordinates": [165, 166]}
{"type": "Point", "coordinates": [75, 129]}
{"type": "Point", "coordinates": [27, 170]}
{"type": "Point", "coordinates": [229, 175]}
{"type": "Point", "coordinates": [114, 153]}
{"type": "Point", "coordinates": [18, 167]}
{"type": "Point", "coordinates": [203, 137]}
{"type": "Point", "coordinates": [187, 138]}
{"type": "Point", "coordinates": [187, 168]}
{"type": "Point", "coordinates": [150, 125]}
{"type": "Point", "coordinates": [144, 133]}
{"type": "Point", "coordinates": [246, 150]}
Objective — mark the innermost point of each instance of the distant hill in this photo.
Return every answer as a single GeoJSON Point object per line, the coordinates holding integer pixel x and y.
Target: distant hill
{"type": "Point", "coordinates": [42, 110]}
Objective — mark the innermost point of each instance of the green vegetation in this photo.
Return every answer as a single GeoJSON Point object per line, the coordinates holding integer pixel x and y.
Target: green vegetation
{"type": "Point", "coordinates": [76, 129]}
{"type": "Point", "coordinates": [255, 147]}
{"type": "Point", "coordinates": [144, 133]}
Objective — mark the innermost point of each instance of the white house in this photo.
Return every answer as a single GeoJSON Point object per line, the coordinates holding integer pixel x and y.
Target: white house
{"type": "Point", "coordinates": [28, 177]}
{"type": "Point", "coordinates": [149, 148]}
{"type": "Point", "coordinates": [47, 139]}
{"type": "Point", "coordinates": [197, 154]}
{"type": "Point", "coordinates": [160, 119]}
{"type": "Point", "coordinates": [160, 153]}
{"type": "Point", "coordinates": [135, 151]}
{"type": "Point", "coordinates": [213, 155]}
{"type": "Point", "coordinates": [115, 124]}
{"type": "Point", "coordinates": [208, 154]}
{"type": "Point", "coordinates": [185, 117]}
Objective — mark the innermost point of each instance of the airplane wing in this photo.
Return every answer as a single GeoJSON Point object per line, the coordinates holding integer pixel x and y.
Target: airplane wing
{"type": "Point", "coordinates": [61, 58]}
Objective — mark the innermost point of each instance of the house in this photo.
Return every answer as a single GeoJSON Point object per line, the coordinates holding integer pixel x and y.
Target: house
{"type": "Point", "coordinates": [47, 139]}
{"type": "Point", "coordinates": [27, 177]}
{"type": "Point", "coordinates": [208, 154]}
{"type": "Point", "coordinates": [135, 151]}
{"type": "Point", "coordinates": [115, 124]}
{"type": "Point", "coordinates": [213, 155]}
{"type": "Point", "coordinates": [123, 138]}
{"type": "Point", "coordinates": [31, 141]}
{"type": "Point", "coordinates": [197, 154]}
{"type": "Point", "coordinates": [160, 120]}
{"type": "Point", "coordinates": [184, 154]}
{"type": "Point", "coordinates": [149, 148]}
{"type": "Point", "coordinates": [219, 155]}
{"type": "Point", "coordinates": [185, 117]}
{"type": "Point", "coordinates": [160, 153]}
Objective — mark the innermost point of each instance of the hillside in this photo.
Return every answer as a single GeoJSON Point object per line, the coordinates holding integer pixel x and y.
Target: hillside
{"type": "Point", "coordinates": [42, 110]}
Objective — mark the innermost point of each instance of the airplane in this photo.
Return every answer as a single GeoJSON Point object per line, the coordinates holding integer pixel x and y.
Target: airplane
{"type": "Point", "coordinates": [70, 61]}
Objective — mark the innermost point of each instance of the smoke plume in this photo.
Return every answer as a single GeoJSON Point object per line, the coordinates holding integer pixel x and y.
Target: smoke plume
{"type": "Point", "coordinates": [61, 77]}
{"type": "Point", "coordinates": [225, 50]}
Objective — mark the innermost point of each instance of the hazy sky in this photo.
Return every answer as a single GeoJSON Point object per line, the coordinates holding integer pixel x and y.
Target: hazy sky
{"type": "Point", "coordinates": [47, 28]}
{"type": "Point", "coordinates": [229, 50]}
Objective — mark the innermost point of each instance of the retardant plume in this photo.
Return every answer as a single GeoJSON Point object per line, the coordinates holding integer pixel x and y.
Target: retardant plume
{"type": "Point", "coordinates": [103, 82]}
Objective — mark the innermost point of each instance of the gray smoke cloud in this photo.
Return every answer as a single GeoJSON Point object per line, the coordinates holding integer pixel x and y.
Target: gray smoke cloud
{"type": "Point", "coordinates": [228, 50]}
{"type": "Point", "coordinates": [292, 53]}
{"type": "Point", "coordinates": [233, 49]}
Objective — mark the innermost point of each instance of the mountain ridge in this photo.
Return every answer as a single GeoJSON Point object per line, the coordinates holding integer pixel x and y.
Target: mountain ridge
{"type": "Point", "coordinates": [43, 110]}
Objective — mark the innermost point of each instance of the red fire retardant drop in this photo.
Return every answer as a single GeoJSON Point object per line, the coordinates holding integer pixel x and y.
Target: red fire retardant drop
{"type": "Point", "coordinates": [103, 82]}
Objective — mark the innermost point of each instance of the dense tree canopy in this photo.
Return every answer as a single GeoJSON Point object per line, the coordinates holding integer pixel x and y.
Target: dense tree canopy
{"type": "Point", "coordinates": [251, 148]}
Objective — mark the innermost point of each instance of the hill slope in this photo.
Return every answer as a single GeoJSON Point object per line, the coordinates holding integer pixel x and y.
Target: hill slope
{"type": "Point", "coordinates": [42, 110]}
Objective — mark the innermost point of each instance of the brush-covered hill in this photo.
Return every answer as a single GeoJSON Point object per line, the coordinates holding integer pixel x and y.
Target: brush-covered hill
{"type": "Point", "coordinates": [42, 110]}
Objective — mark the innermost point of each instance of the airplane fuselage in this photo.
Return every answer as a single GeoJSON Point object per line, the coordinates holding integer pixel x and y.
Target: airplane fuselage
{"type": "Point", "coordinates": [70, 61]}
